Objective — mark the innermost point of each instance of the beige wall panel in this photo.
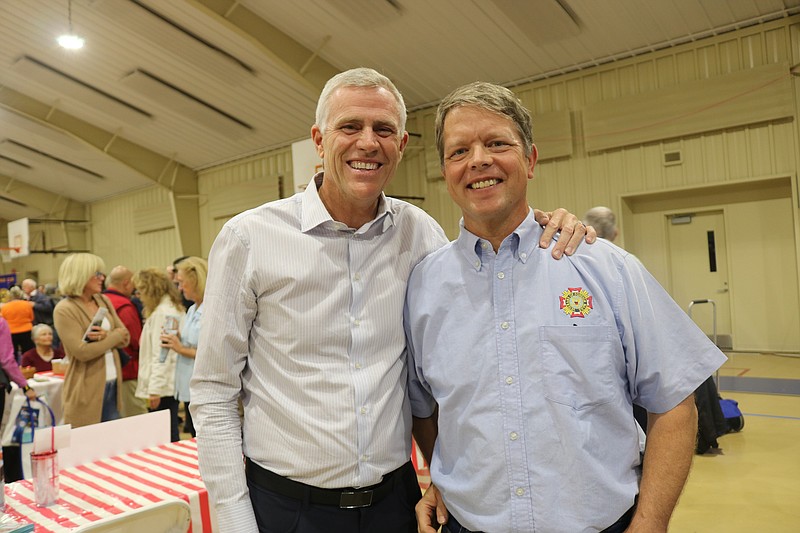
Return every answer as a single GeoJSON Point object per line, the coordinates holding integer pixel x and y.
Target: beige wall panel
{"type": "Point", "coordinates": [784, 146]}
{"type": "Point", "coordinates": [628, 82]}
{"type": "Point", "coordinates": [776, 45]}
{"type": "Point", "coordinates": [261, 171]}
{"type": "Point", "coordinates": [686, 65]}
{"type": "Point", "coordinates": [609, 84]}
{"type": "Point", "coordinates": [707, 61]}
{"type": "Point", "coordinates": [646, 71]}
{"type": "Point", "coordinates": [755, 95]}
{"type": "Point", "coordinates": [645, 236]}
{"type": "Point", "coordinates": [114, 232]}
{"type": "Point", "coordinates": [729, 56]}
{"type": "Point", "coordinates": [665, 71]}
{"type": "Point", "coordinates": [753, 51]}
{"type": "Point", "coordinates": [575, 93]}
{"type": "Point", "coordinates": [592, 89]}
{"type": "Point", "coordinates": [764, 313]}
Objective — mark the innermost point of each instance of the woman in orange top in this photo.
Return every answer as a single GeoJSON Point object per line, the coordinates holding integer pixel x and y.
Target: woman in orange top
{"type": "Point", "coordinates": [19, 314]}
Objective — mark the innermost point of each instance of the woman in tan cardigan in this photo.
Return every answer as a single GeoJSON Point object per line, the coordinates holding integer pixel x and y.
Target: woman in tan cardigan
{"type": "Point", "coordinates": [93, 382]}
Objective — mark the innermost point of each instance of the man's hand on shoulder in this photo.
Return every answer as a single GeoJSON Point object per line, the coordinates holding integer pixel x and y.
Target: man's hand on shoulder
{"type": "Point", "coordinates": [573, 231]}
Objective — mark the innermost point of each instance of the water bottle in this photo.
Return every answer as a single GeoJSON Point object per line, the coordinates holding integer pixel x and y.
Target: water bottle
{"type": "Point", "coordinates": [170, 328]}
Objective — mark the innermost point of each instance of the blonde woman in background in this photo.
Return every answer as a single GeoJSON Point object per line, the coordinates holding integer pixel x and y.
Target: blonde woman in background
{"type": "Point", "coordinates": [93, 382]}
{"type": "Point", "coordinates": [156, 382]}
{"type": "Point", "coordinates": [191, 276]}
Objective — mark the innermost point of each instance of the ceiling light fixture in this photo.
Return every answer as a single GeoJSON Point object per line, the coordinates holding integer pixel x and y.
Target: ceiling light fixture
{"type": "Point", "coordinates": [70, 41]}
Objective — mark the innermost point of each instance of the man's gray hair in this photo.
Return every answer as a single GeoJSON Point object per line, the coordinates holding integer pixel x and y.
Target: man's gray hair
{"type": "Point", "coordinates": [358, 77]}
{"type": "Point", "coordinates": [492, 98]}
{"type": "Point", "coordinates": [603, 220]}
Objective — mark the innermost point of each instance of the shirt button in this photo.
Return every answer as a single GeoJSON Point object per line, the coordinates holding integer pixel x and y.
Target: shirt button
{"type": "Point", "coordinates": [358, 366]}
{"type": "Point", "coordinates": [509, 379]}
{"type": "Point", "coordinates": [514, 435]}
{"type": "Point", "coordinates": [363, 458]}
{"type": "Point", "coordinates": [520, 491]}
{"type": "Point", "coordinates": [504, 325]}
{"type": "Point", "coordinates": [357, 276]}
{"type": "Point", "coordinates": [523, 255]}
{"type": "Point", "coordinates": [501, 275]}
{"type": "Point", "coordinates": [484, 245]}
{"type": "Point", "coordinates": [356, 322]}
{"type": "Point", "coordinates": [477, 264]}
{"type": "Point", "coordinates": [363, 410]}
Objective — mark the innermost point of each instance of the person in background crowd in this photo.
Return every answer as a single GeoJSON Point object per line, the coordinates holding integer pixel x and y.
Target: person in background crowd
{"type": "Point", "coordinates": [531, 365]}
{"type": "Point", "coordinates": [603, 220]}
{"type": "Point", "coordinates": [303, 321]}
{"type": "Point", "coordinates": [38, 359]}
{"type": "Point", "coordinates": [93, 384]}
{"type": "Point", "coordinates": [156, 382]}
{"type": "Point", "coordinates": [186, 302]}
{"type": "Point", "coordinates": [43, 305]}
{"type": "Point", "coordinates": [18, 312]}
{"type": "Point", "coordinates": [191, 276]}
{"type": "Point", "coordinates": [119, 290]}
{"type": "Point", "coordinates": [10, 372]}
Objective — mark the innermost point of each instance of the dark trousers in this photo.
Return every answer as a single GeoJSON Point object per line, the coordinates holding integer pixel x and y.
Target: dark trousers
{"type": "Point", "coordinates": [452, 525]}
{"type": "Point", "coordinates": [171, 404]}
{"type": "Point", "coordinates": [276, 513]}
{"type": "Point", "coordinates": [188, 425]}
{"type": "Point", "coordinates": [22, 343]}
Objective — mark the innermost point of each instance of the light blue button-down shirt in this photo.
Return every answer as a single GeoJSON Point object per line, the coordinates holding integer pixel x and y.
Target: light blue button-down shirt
{"type": "Point", "coordinates": [534, 364]}
{"type": "Point", "coordinates": [190, 335]}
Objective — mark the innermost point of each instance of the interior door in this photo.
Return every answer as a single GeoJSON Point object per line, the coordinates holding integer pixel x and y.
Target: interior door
{"type": "Point", "coordinates": [699, 269]}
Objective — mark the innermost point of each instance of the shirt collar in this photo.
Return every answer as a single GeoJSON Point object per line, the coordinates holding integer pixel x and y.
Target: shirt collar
{"type": "Point", "coordinates": [315, 214]}
{"type": "Point", "coordinates": [523, 241]}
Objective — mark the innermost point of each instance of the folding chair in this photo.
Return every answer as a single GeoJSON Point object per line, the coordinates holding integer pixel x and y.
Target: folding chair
{"type": "Point", "coordinates": [171, 516]}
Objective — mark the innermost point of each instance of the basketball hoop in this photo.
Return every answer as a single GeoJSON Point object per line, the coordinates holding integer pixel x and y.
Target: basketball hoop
{"type": "Point", "coordinates": [9, 248]}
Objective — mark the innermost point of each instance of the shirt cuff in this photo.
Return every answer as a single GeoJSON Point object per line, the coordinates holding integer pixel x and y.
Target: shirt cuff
{"type": "Point", "coordinates": [236, 518]}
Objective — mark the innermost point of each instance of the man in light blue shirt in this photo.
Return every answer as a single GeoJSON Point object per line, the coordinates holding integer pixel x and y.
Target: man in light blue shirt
{"type": "Point", "coordinates": [534, 364]}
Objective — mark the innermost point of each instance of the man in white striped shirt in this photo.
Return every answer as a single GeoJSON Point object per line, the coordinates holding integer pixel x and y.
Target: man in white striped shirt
{"type": "Point", "coordinates": [303, 322]}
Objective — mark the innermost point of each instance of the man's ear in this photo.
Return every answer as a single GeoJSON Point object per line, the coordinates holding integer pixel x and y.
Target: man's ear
{"type": "Point", "coordinates": [403, 143]}
{"type": "Point", "coordinates": [316, 136]}
{"type": "Point", "coordinates": [532, 160]}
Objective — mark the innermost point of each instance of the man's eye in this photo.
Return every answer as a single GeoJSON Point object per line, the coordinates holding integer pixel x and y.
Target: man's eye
{"type": "Point", "coordinates": [457, 154]}
{"type": "Point", "coordinates": [498, 144]}
{"type": "Point", "coordinates": [385, 132]}
{"type": "Point", "coordinates": [349, 128]}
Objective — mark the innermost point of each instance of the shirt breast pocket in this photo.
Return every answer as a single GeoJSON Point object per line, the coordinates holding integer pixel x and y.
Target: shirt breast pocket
{"type": "Point", "coordinates": [578, 365]}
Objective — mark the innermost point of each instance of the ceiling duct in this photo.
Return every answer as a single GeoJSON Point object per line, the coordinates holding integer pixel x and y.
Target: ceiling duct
{"type": "Point", "coordinates": [369, 13]}
{"type": "Point", "coordinates": [542, 21]}
{"type": "Point", "coordinates": [13, 201]}
{"type": "Point", "coordinates": [185, 103]}
{"type": "Point", "coordinates": [167, 34]}
{"type": "Point", "coordinates": [25, 153]}
{"type": "Point", "coordinates": [4, 159]}
{"type": "Point", "coordinates": [72, 87]}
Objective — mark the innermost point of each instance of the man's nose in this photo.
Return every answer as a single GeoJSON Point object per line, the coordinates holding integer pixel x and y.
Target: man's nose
{"type": "Point", "coordinates": [367, 139]}
{"type": "Point", "coordinates": [480, 157]}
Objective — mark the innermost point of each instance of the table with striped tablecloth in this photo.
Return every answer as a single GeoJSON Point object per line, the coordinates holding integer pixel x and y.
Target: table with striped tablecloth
{"type": "Point", "coordinates": [117, 485]}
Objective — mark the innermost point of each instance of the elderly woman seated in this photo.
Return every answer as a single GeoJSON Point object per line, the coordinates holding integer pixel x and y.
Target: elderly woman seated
{"type": "Point", "coordinates": [38, 358]}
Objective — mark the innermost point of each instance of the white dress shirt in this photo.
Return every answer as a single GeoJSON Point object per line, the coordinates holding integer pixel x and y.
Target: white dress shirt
{"type": "Point", "coordinates": [303, 317]}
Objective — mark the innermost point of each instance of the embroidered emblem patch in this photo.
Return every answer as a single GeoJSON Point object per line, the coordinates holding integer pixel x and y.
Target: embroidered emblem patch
{"type": "Point", "coordinates": [576, 302]}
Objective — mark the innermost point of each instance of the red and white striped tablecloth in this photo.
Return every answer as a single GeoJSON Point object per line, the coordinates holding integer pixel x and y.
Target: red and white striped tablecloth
{"type": "Point", "coordinates": [116, 485]}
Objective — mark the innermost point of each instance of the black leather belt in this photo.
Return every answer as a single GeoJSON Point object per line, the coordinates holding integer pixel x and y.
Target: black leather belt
{"type": "Point", "coordinates": [347, 498]}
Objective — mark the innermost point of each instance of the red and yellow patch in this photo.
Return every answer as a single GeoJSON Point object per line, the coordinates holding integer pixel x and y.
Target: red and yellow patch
{"type": "Point", "coordinates": [576, 302]}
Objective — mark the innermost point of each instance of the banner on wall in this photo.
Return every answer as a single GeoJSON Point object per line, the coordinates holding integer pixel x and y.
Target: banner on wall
{"type": "Point", "coordinates": [18, 238]}
{"type": "Point", "coordinates": [7, 281]}
{"type": "Point", "coordinates": [305, 163]}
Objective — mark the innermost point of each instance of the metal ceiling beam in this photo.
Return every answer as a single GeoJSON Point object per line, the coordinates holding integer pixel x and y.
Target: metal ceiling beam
{"type": "Point", "coordinates": [144, 161]}
{"type": "Point", "coordinates": [304, 64]}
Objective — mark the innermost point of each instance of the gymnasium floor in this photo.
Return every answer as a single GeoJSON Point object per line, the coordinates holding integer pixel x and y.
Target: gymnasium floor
{"type": "Point", "coordinates": [752, 483]}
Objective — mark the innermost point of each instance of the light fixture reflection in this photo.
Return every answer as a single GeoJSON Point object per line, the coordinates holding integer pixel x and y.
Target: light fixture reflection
{"type": "Point", "coordinates": [71, 42]}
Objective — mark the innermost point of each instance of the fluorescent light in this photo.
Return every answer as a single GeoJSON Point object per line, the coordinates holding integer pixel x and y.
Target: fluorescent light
{"type": "Point", "coordinates": [71, 42]}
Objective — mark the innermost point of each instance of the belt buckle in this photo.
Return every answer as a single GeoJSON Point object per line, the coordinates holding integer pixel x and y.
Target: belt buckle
{"type": "Point", "coordinates": [355, 500]}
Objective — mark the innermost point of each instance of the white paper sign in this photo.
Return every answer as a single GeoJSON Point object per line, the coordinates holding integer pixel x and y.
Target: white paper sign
{"type": "Point", "coordinates": [305, 163]}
